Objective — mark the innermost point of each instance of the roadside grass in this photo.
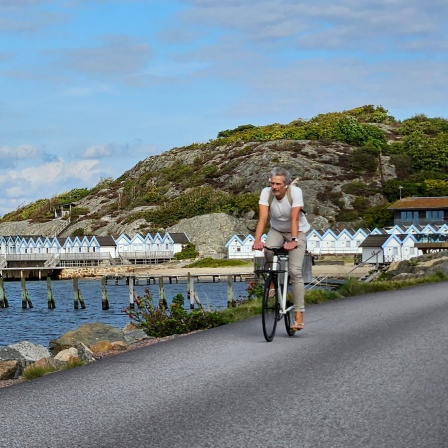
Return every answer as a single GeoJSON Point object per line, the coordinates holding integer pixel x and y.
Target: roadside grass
{"type": "Point", "coordinates": [351, 287]}
{"type": "Point", "coordinates": [31, 372]}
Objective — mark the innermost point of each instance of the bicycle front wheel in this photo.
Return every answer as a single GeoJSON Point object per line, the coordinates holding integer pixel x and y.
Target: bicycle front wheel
{"type": "Point", "coordinates": [289, 319]}
{"type": "Point", "coordinates": [270, 310]}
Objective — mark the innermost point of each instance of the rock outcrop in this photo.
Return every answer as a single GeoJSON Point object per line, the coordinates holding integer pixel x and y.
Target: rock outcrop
{"type": "Point", "coordinates": [422, 266]}
{"type": "Point", "coordinates": [82, 344]}
{"type": "Point", "coordinates": [322, 168]}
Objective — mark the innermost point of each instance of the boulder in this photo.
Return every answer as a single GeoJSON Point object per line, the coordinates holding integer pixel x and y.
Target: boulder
{"type": "Point", "coordinates": [88, 334]}
{"type": "Point", "coordinates": [49, 363]}
{"type": "Point", "coordinates": [137, 335]}
{"type": "Point", "coordinates": [12, 363]}
{"type": "Point", "coordinates": [101, 346]}
{"type": "Point", "coordinates": [67, 355]}
{"type": "Point", "coordinates": [31, 352]}
{"type": "Point", "coordinates": [84, 353]}
{"type": "Point", "coordinates": [119, 346]}
{"type": "Point", "coordinates": [8, 369]}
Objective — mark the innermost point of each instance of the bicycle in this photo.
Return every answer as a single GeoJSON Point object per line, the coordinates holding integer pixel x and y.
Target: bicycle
{"type": "Point", "coordinates": [275, 306]}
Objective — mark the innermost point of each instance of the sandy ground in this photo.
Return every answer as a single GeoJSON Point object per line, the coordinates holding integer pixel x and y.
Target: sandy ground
{"type": "Point", "coordinates": [330, 270]}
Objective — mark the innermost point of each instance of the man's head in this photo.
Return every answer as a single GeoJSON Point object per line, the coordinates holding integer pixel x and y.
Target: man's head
{"type": "Point", "coordinates": [279, 180]}
{"type": "Point", "coordinates": [278, 171]}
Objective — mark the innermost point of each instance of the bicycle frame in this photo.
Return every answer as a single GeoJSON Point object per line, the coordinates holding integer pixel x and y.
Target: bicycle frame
{"type": "Point", "coordinates": [274, 306]}
{"type": "Point", "coordinates": [282, 292]}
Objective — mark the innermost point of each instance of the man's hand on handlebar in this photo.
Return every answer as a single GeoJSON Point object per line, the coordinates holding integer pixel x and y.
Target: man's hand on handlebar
{"type": "Point", "coordinates": [258, 245]}
{"type": "Point", "coordinates": [290, 245]}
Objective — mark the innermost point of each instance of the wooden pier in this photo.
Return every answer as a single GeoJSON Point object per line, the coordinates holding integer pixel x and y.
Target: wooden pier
{"type": "Point", "coordinates": [151, 279]}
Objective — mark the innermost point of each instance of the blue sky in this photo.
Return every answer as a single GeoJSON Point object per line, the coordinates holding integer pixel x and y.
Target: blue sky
{"type": "Point", "coordinates": [89, 88]}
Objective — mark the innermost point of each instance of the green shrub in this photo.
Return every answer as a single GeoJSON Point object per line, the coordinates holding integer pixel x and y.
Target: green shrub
{"type": "Point", "coordinates": [362, 161]}
{"type": "Point", "coordinates": [78, 232]}
{"type": "Point", "coordinates": [187, 252]}
{"type": "Point", "coordinates": [158, 321]}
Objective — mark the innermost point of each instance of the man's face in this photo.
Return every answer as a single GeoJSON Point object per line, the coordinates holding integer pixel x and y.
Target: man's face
{"type": "Point", "coordinates": [278, 186]}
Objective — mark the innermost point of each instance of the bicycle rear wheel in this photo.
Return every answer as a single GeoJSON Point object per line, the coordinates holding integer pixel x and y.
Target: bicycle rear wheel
{"type": "Point", "coordinates": [270, 309]}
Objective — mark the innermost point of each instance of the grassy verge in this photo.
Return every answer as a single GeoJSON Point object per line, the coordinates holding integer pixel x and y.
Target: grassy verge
{"type": "Point", "coordinates": [32, 371]}
{"type": "Point", "coordinates": [351, 287]}
{"type": "Point", "coordinates": [212, 263]}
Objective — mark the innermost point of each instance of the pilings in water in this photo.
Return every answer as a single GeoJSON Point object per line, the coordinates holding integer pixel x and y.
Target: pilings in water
{"type": "Point", "coordinates": [231, 302]}
{"type": "Point", "coordinates": [77, 296]}
{"type": "Point", "coordinates": [191, 293]}
{"type": "Point", "coordinates": [50, 297]}
{"type": "Point", "coordinates": [26, 300]}
{"type": "Point", "coordinates": [162, 297]}
{"type": "Point", "coordinates": [104, 298]}
{"type": "Point", "coordinates": [130, 281]}
{"type": "Point", "coordinates": [3, 299]}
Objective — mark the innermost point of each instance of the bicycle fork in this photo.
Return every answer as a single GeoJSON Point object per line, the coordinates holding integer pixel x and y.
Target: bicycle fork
{"type": "Point", "coordinates": [282, 291]}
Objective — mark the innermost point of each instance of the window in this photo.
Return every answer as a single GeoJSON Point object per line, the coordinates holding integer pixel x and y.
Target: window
{"type": "Point", "coordinates": [434, 215]}
{"type": "Point", "coordinates": [409, 215]}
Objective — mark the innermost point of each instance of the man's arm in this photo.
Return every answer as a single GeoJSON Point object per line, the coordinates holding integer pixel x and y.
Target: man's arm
{"type": "Point", "coordinates": [263, 213]}
{"type": "Point", "coordinates": [295, 214]}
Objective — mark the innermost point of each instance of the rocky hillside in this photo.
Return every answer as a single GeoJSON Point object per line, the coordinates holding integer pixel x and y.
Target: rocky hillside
{"type": "Point", "coordinates": [346, 163]}
{"type": "Point", "coordinates": [322, 169]}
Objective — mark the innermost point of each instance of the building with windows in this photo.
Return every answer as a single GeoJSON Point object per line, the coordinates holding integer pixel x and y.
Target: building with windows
{"type": "Point", "coordinates": [420, 211]}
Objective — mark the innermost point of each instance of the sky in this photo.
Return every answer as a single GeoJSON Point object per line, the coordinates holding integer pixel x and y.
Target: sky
{"type": "Point", "coordinates": [91, 87]}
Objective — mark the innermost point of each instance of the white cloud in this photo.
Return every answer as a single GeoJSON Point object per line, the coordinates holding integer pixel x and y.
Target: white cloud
{"type": "Point", "coordinates": [97, 151]}
{"type": "Point", "coordinates": [19, 152]}
{"type": "Point", "coordinates": [35, 182]}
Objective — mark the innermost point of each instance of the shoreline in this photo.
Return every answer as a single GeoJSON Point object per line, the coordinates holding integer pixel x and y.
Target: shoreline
{"type": "Point", "coordinates": [329, 270]}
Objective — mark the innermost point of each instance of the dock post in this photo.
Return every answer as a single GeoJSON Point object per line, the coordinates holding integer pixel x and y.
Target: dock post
{"type": "Point", "coordinates": [3, 300]}
{"type": "Point", "coordinates": [190, 291]}
{"type": "Point", "coordinates": [163, 304]}
{"type": "Point", "coordinates": [104, 299]}
{"type": "Point", "coordinates": [26, 301]}
{"type": "Point", "coordinates": [77, 295]}
{"type": "Point", "coordinates": [231, 302]}
{"type": "Point", "coordinates": [50, 297]}
{"type": "Point", "coordinates": [131, 292]}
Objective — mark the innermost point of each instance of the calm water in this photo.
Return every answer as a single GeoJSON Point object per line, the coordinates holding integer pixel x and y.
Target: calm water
{"type": "Point", "coordinates": [40, 325]}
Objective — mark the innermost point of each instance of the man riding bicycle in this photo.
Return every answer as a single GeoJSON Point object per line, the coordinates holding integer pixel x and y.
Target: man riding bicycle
{"type": "Point", "coordinates": [288, 228]}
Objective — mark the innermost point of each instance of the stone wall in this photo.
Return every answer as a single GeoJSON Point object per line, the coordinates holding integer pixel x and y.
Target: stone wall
{"type": "Point", "coordinates": [95, 271]}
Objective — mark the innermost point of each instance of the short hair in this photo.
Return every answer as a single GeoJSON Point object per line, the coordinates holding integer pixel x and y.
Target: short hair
{"type": "Point", "coordinates": [278, 171]}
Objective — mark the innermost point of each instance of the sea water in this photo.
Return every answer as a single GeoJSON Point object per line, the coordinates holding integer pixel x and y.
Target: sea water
{"type": "Point", "coordinates": [40, 325]}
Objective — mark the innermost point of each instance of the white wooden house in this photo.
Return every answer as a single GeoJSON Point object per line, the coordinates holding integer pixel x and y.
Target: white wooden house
{"type": "Point", "coordinates": [123, 243]}
{"type": "Point", "coordinates": [240, 247]}
{"type": "Point", "coordinates": [179, 241]}
{"type": "Point", "coordinates": [314, 241]}
{"type": "Point", "coordinates": [386, 248]}
{"type": "Point", "coordinates": [328, 242]}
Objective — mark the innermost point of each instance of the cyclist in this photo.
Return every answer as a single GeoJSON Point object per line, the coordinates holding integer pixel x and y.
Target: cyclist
{"type": "Point", "coordinates": [288, 228]}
